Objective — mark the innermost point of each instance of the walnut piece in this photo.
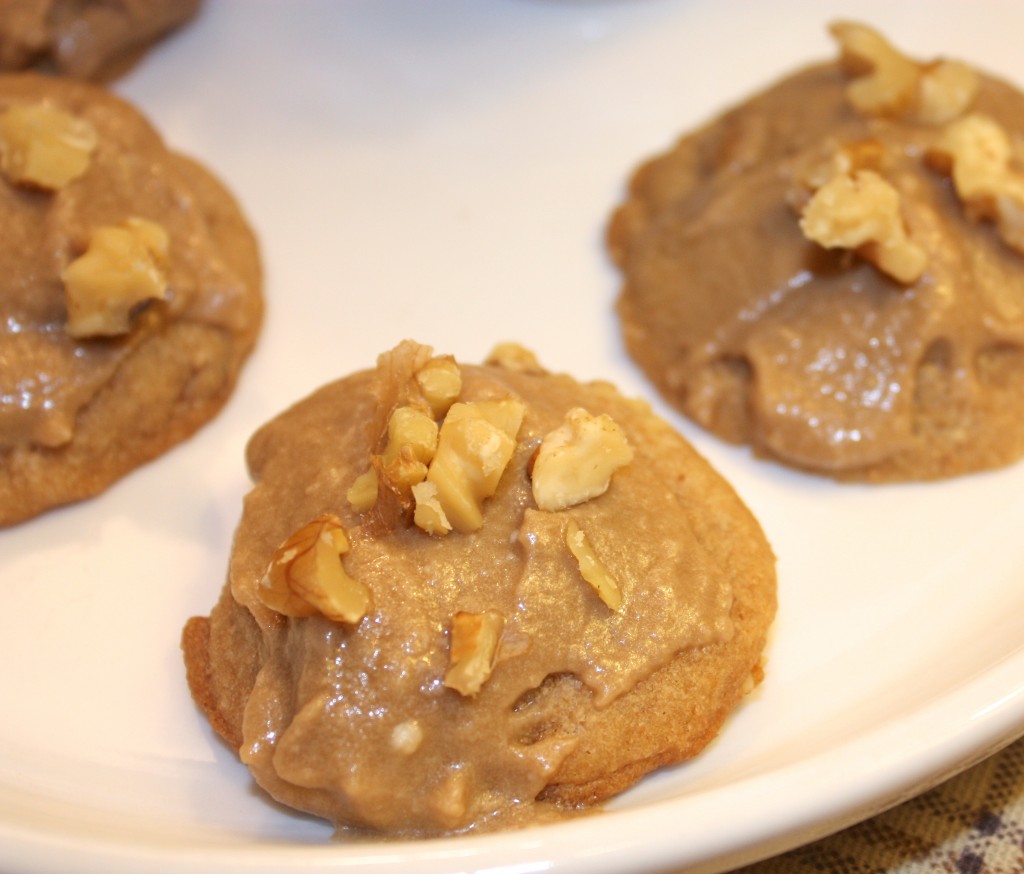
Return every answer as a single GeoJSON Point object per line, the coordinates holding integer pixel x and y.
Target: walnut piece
{"type": "Point", "coordinates": [976, 152]}
{"type": "Point", "coordinates": [475, 444]}
{"type": "Point", "coordinates": [844, 160]}
{"type": "Point", "coordinates": [888, 83]}
{"type": "Point", "coordinates": [885, 80]}
{"type": "Point", "coordinates": [472, 649]}
{"type": "Point", "coordinates": [362, 494]}
{"type": "Point", "coordinates": [449, 798]}
{"type": "Point", "coordinates": [407, 736]}
{"type": "Point", "coordinates": [946, 90]}
{"type": "Point", "coordinates": [306, 575]}
{"type": "Point", "coordinates": [575, 462]}
{"type": "Point", "coordinates": [440, 381]}
{"type": "Point", "coordinates": [412, 441]}
{"type": "Point", "coordinates": [591, 567]}
{"type": "Point", "coordinates": [44, 147]}
{"type": "Point", "coordinates": [512, 356]}
{"type": "Point", "coordinates": [429, 516]}
{"type": "Point", "coordinates": [862, 212]}
{"type": "Point", "coordinates": [122, 267]}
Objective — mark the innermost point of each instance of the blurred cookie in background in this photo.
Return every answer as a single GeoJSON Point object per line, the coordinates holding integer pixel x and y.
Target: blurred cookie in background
{"type": "Point", "coordinates": [86, 40]}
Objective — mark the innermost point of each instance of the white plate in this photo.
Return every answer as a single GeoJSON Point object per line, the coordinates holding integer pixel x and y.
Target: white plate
{"type": "Point", "coordinates": [443, 171]}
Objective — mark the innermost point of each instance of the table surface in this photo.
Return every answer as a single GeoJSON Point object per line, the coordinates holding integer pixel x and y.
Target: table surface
{"type": "Point", "coordinates": [971, 824]}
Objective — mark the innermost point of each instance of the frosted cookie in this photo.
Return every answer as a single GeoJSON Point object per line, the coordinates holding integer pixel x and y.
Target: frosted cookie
{"type": "Point", "coordinates": [83, 39]}
{"type": "Point", "coordinates": [456, 591]}
{"type": "Point", "coordinates": [833, 271]}
{"type": "Point", "coordinates": [130, 293]}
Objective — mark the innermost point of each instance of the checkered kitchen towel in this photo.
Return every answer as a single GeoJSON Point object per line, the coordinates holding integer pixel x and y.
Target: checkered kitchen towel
{"type": "Point", "coordinates": [971, 824]}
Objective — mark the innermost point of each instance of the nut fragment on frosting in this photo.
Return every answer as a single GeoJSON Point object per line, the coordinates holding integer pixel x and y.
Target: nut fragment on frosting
{"type": "Point", "coordinates": [947, 89]}
{"type": "Point", "coordinates": [362, 494]}
{"type": "Point", "coordinates": [429, 515]}
{"type": "Point", "coordinates": [306, 575]}
{"type": "Point", "coordinates": [888, 83]}
{"type": "Point", "coordinates": [976, 152]}
{"type": "Point", "coordinates": [123, 267]}
{"type": "Point", "coordinates": [42, 146]}
{"type": "Point", "coordinates": [513, 356]}
{"type": "Point", "coordinates": [440, 381]}
{"type": "Point", "coordinates": [575, 462]}
{"type": "Point", "coordinates": [407, 736]}
{"type": "Point", "coordinates": [409, 427]}
{"type": "Point", "coordinates": [592, 568]}
{"type": "Point", "coordinates": [472, 650]}
{"type": "Point", "coordinates": [474, 446]}
{"type": "Point", "coordinates": [412, 441]}
{"type": "Point", "coordinates": [846, 159]}
{"type": "Point", "coordinates": [862, 212]}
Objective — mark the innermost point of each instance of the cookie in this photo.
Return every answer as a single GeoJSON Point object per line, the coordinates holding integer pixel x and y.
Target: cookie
{"type": "Point", "coordinates": [833, 270]}
{"type": "Point", "coordinates": [130, 293]}
{"type": "Point", "coordinates": [86, 40]}
{"type": "Point", "coordinates": [468, 597]}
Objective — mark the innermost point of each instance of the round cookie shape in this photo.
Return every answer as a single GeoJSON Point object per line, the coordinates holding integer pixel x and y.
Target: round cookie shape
{"type": "Point", "coordinates": [492, 673]}
{"type": "Point", "coordinates": [130, 293]}
{"type": "Point", "coordinates": [85, 40]}
{"type": "Point", "coordinates": [812, 273]}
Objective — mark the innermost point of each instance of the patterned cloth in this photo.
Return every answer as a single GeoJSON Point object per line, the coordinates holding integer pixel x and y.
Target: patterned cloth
{"type": "Point", "coordinates": [971, 824]}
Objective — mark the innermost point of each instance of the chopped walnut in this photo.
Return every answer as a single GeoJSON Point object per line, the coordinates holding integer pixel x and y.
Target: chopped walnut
{"type": "Point", "coordinates": [474, 446]}
{"type": "Point", "coordinates": [862, 212]}
{"type": "Point", "coordinates": [412, 441]}
{"type": "Point", "coordinates": [512, 356]}
{"type": "Point", "coordinates": [885, 80]}
{"type": "Point", "coordinates": [122, 268]}
{"type": "Point", "coordinates": [946, 91]}
{"type": "Point", "coordinates": [429, 516]}
{"type": "Point", "coordinates": [404, 470]}
{"type": "Point", "coordinates": [976, 152]}
{"type": "Point", "coordinates": [362, 494]}
{"type": "Point", "coordinates": [575, 462]}
{"type": "Point", "coordinates": [591, 567]}
{"type": "Point", "coordinates": [472, 650]}
{"type": "Point", "coordinates": [306, 575]}
{"type": "Point", "coordinates": [450, 798]}
{"type": "Point", "coordinates": [888, 83]}
{"type": "Point", "coordinates": [440, 380]}
{"type": "Point", "coordinates": [387, 489]}
{"type": "Point", "coordinates": [1011, 218]}
{"type": "Point", "coordinates": [407, 736]}
{"type": "Point", "coordinates": [844, 160]}
{"type": "Point", "coordinates": [44, 147]}
{"type": "Point", "coordinates": [409, 427]}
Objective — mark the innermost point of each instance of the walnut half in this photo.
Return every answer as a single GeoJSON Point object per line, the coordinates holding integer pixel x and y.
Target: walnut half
{"type": "Point", "coordinates": [42, 146]}
{"type": "Point", "coordinates": [575, 462]}
{"type": "Point", "coordinates": [888, 83]}
{"type": "Point", "coordinates": [123, 267]}
{"type": "Point", "coordinates": [305, 575]}
{"type": "Point", "coordinates": [862, 212]}
{"type": "Point", "coordinates": [976, 152]}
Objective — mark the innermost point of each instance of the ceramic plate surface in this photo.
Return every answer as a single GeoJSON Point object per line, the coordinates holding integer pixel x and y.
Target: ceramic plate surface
{"type": "Point", "coordinates": [444, 171]}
